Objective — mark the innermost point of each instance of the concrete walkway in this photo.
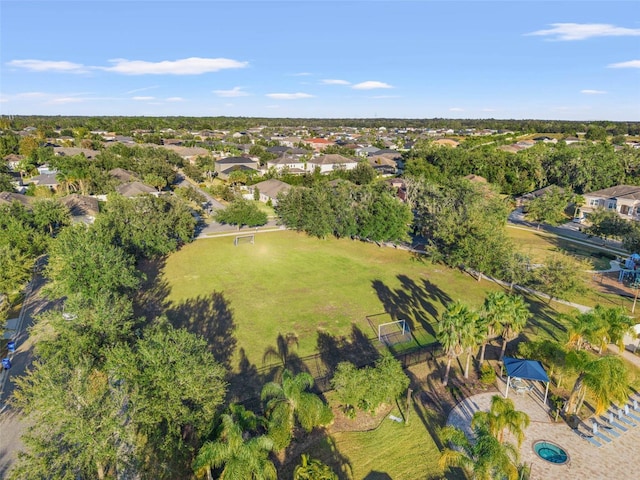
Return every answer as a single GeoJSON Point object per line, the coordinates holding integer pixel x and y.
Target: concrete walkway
{"type": "Point", "coordinates": [614, 460]}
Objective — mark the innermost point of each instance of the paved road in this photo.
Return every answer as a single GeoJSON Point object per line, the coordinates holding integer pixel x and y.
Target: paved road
{"type": "Point", "coordinates": [12, 424]}
{"type": "Point", "coordinates": [183, 181]}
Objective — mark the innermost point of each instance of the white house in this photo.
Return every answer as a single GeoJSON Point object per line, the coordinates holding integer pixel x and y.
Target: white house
{"type": "Point", "coordinates": [624, 199]}
{"type": "Point", "coordinates": [329, 163]}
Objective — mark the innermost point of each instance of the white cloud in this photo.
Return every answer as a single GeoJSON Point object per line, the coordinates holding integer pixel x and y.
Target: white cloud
{"type": "Point", "coordinates": [142, 99]}
{"type": "Point", "coordinates": [386, 96]}
{"type": "Point", "coordinates": [3, 99]}
{"type": "Point", "coordinates": [185, 66]}
{"type": "Point", "coordinates": [65, 100]}
{"type": "Point", "coordinates": [329, 81]}
{"type": "Point", "coordinates": [370, 85]}
{"type": "Point", "coordinates": [31, 95]}
{"type": "Point", "coordinates": [302, 74]}
{"type": "Point", "coordinates": [175, 99]}
{"type": "Point", "coordinates": [49, 66]}
{"type": "Point", "coordinates": [582, 31]}
{"type": "Point", "coordinates": [289, 96]}
{"type": "Point", "coordinates": [593, 92]}
{"type": "Point", "coordinates": [456, 109]}
{"type": "Point", "coordinates": [488, 109]}
{"type": "Point", "coordinates": [629, 64]}
{"type": "Point", "coordinates": [136, 90]}
{"type": "Point", "coordinates": [234, 92]}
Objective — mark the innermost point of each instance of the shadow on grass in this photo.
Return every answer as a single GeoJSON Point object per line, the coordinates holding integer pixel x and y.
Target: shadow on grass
{"type": "Point", "coordinates": [413, 302]}
{"type": "Point", "coordinates": [378, 476]}
{"type": "Point", "coordinates": [355, 348]}
{"type": "Point", "coordinates": [210, 317]}
{"type": "Point", "coordinates": [283, 357]}
{"type": "Point", "coordinates": [322, 447]}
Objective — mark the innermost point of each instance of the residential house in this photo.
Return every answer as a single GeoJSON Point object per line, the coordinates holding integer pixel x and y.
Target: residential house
{"type": "Point", "coordinates": [188, 153]}
{"type": "Point", "coordinates": [83, 208]}
{"type": "Point", "coordinates": [135, 189]}
{"type": "Point", "coordinates": [12, 161]}
{"type": "Point", "coordinates": [296, 165]}
{"type": "Point", "coordinates": [44, 180]}
{"type": "Point", "coordinates": [269, 190]}
{"type": "Point", "coordinates": [522, 200]}
{"type": "Point", "coordinates": [624, 199]}
{"type": "Point", "coordinates": [226, 166]}
{"type": "Point", "coordinates": [383, 164]}
{"type": "Point", "coordinates": [123, 175]}
{"type": "Point", "coordinates": [329, 163]}
{"type": "Point", "coordinates": [72, 151]}
{"type": "Point", "coordinates": [318, 144]}
{"type": "Point", "coordinates": [7, 198]}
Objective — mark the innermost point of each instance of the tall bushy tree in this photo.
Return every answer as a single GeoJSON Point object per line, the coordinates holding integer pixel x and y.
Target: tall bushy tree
{"type": "Point", "coordinates": [83, 263]}
{"type": "Point", "coordinates": [464, 222]}
{"type": "Point", "coordinates": [367, 388]}
{"type": "Point", "coordinates": [242, 212]}
{"type": "Point", "coordinates": [561, 276]}
{"type": "Point", "coordinates": [146, 226]}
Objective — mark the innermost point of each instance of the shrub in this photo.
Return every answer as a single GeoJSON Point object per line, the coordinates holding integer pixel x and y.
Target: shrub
{"type": "Point", "coordinates": [487, 374]}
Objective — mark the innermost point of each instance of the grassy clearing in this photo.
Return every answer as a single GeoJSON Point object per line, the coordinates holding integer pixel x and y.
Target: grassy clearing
{"type": "Point", "coordinates": [538, 245]}
{"type": "Point", "coordinates": [394, 449]}
{"type": "Point", "coordinates": [288, 282]}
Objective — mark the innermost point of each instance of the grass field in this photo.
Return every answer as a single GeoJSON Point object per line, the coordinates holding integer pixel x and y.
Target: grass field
{"type": "Point", "coordinates": [288, 282]}
{"type": "Point", "coordinates": [538, 245]}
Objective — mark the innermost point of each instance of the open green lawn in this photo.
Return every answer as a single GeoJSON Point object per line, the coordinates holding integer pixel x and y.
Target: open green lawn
{"type": "Point", "coordinates": [538, 245]}
{"type": "Point", "coordinates": [289, 282]}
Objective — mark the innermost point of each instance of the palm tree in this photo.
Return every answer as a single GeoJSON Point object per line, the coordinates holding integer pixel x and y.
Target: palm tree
{"type": "Point", "coordinates": [618, 324]}
{"type": "Point", "coordinates": [502, 416]}
{"type": "Point", "coordinates": [484, 459]}
{"type": "Point", "coordinates": [583, 329]}
{"type": "Point", "coordinates": [495, 311]}
{"type": "Point", "coordinates": [450, 330]}
{"type": "Point", "coordinates": [240, 455]}
{"type": "Point", "coordinates": [471, 335]}
{"type": "Point", "coordinates": [288, 403]}
{"type": "Point", "coordinates": [515, 321]}
{"type": "Point", "coordinates": [607, 378]}
{"type": "Point", "coordinates": [312, 469]}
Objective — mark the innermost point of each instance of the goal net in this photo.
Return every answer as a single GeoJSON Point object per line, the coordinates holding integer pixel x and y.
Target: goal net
{"type": "Point", "coordinates": [391, 333]}
{"type": "Point", "coordinates": [243, 239]}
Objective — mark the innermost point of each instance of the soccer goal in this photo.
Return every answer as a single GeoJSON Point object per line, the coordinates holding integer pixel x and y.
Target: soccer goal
{"type": "Point", "coordinates": [244, 239]}
{"type": "Point", "coordinates": [391, 333]}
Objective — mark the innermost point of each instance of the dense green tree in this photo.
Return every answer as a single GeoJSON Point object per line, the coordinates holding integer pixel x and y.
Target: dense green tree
{"type": "Point", "coordinates": [549, 207]}
{"type": "Point", "coordinates": [363, 174]}
{"type": "Point", "coordinates": [146, 226]}
{"type": "Point", "coordinates": [464, 223]}
{"type": "Point", "coordinates": [608, 224]}
{"type": "Point", "coordinates": [174, 386]}
{"type": "Point", "coordinates": [368, 387]}
{"type": "Point", "coordinates": [83, 263]}
{"type": "Point", "coordinates": [50, 215]}
{"type": "Point", "coordinates": [561, 276]}
{"type": "Point", "coordinates": [288, 402]}
{"type": "Point", "coordinates": [242, 212]}
{"type": "Point", "coordinates": [631, 240]}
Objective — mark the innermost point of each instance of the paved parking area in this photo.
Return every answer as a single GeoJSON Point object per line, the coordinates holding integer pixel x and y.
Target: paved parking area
{"type": "Point", "coordinates": [614, 460]}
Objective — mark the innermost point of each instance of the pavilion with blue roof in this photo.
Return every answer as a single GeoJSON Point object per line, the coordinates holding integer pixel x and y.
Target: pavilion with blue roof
{"type": "Point", "coordinates": [518, 368]}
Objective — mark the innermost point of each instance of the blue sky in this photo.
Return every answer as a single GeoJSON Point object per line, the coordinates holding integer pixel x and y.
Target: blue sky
{"type": "Point", "coordinates": [573, 60]}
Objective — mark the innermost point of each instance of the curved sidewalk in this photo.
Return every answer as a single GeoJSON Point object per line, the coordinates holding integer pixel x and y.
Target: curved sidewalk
{"type": "Point", "coordinates": [611, 461]}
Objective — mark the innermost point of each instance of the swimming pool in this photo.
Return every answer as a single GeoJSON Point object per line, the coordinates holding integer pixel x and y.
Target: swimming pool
{"type": "Point", "coordinates": [550, 452]}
